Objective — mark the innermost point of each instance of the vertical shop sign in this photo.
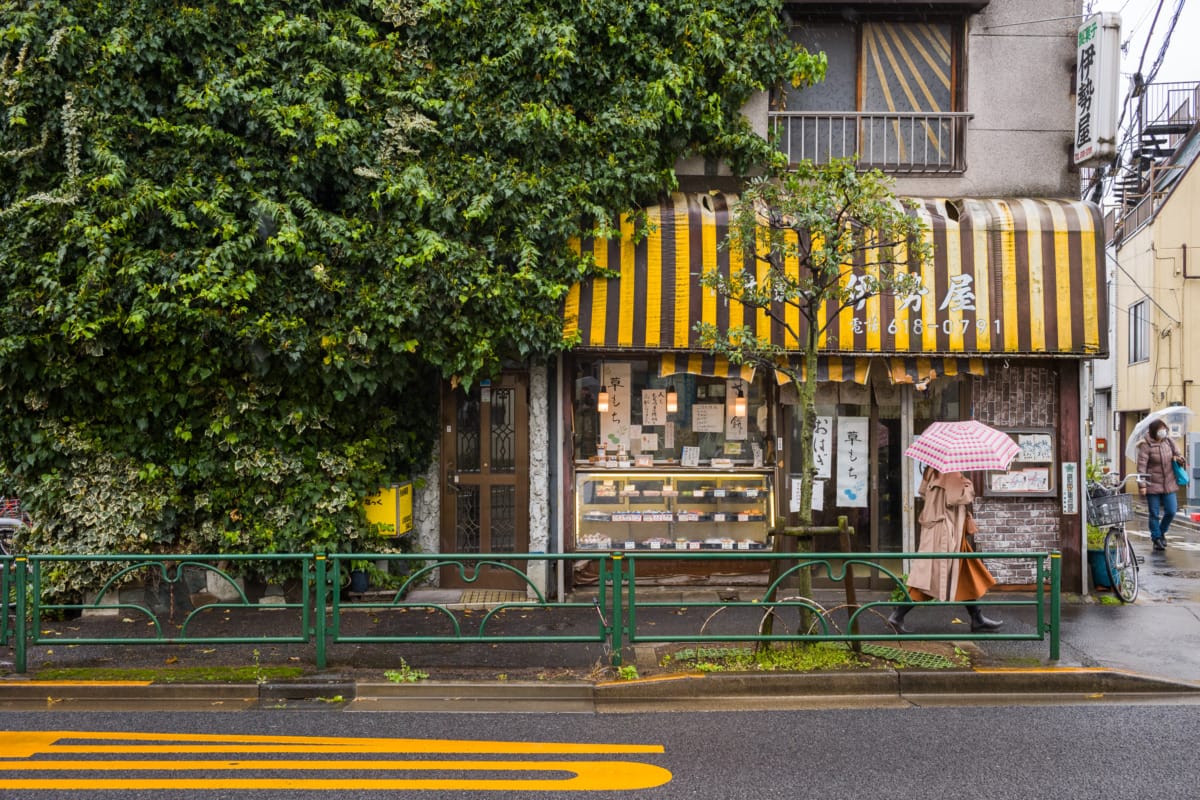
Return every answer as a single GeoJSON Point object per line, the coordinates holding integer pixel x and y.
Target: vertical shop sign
{"type": "Point", "coordinates": [1070, 487]}
{"type": "Point", "coordinates": [853, 459]}
{"type": "Point", "coordinates": [822, 445]}
{"type": "Point", "coordinates": [614, 423]}
{"type": "Point", "coordinates": [1097, 74]}
{"type": "Point", "coordinates": [735, 424]}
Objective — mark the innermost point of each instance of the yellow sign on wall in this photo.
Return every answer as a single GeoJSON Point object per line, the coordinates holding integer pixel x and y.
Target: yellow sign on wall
{"type": "Point", "coordinates": [391, 509]}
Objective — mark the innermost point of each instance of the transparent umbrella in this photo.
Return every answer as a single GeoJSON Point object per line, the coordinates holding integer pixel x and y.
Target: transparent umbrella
{"type": "Point", "coordinates": [1140, 429]}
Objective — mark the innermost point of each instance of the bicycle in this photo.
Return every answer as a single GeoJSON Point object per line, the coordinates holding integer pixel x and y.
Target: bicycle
{"type": "Point", "coordinates": [12, 521]}
{"type": "Point", "coordinates": [1109, 507]}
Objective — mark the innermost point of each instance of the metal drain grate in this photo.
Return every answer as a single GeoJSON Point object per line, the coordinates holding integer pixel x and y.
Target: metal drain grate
{"type": "Point", "coordinates": [492, 597]}
{"type": "Point", "coordinates": [914, 658]}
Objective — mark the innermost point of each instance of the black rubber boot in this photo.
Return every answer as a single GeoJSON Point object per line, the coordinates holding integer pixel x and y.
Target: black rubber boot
{"type": "Point", "coordinates": [896, 620]}
{"type": "Point", "coordinates": [981, 623]}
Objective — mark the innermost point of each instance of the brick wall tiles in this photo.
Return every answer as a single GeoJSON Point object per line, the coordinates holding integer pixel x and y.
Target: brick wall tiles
{"type": "Point", "coordinates": [1017, 396]}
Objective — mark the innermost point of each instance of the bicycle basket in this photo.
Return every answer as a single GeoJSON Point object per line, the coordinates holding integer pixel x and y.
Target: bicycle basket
{"type": "Point", "coordinates": [1110, 509]}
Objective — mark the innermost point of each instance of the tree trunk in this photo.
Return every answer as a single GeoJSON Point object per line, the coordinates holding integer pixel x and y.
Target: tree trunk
{"type": "Point", "coordinates": [806, 387]}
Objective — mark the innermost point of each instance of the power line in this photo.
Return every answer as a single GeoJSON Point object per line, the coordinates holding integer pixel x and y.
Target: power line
{"type": "Point", "coordinates": [1112, 254]}
{"type": "Point", "coordinates": [1162, 51]}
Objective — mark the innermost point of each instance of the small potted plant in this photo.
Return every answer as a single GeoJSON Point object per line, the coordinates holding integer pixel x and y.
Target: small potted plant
{"type": "Point", "coordinates": [360, 578]}
{"type": "Point", "coordinates": [1095, 553]}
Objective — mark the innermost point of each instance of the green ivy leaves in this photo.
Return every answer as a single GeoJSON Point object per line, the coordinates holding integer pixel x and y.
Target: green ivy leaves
{"type": "Point", "coordinates": [241, 242]}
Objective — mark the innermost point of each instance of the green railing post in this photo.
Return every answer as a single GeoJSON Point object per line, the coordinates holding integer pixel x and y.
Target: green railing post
{"type": "Point", "coordinates": [6, 588]}
{"type": "Point", "coordinates": [1055, 602]}
{"type": "Point", "coordinates": [617, 630]}
{"type": "Point", "coordinates": [319, 619]}
{"type": "Point", "coordinates": [20, 632]}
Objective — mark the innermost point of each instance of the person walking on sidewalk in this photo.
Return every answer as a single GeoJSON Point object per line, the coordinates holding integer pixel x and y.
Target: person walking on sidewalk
{"type": "Point", "coordinates": [1156, 454]}
{"type": "Point", "coordinates": [946, 522]}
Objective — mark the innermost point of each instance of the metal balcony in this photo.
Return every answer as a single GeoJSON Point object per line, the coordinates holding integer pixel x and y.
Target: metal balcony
{"type": "Point", "coordinates": [914, 142]}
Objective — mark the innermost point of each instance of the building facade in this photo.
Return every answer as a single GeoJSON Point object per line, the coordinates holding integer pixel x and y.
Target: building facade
{"type": "Point", "coordinates": [639, 438]}
{"type": "Point", "coordinates": [1153, 279]}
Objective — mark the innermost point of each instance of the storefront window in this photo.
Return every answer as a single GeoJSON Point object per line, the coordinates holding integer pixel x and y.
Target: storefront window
{"type": "Point", "coordinates": [708, 426]}
{"type": "Point", "coordinates": [858, 454]}
{"type": "Point", "coordinates": [842, 447]}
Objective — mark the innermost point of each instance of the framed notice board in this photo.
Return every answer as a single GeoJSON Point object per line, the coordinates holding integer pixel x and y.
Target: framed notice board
{"type": "Point", "coordinates": [1033, 472]}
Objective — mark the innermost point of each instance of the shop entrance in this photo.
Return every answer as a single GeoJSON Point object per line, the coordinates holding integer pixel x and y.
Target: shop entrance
{"type": "Point", "coordinates": [861, 467]}
{"type": "Point", "coordinates": [485, 472]}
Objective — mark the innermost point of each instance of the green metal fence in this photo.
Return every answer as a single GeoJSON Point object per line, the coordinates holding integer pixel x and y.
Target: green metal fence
{"type": "Point", "coordinates": [315, 611]}
{"type": "Point", "coordinates": [843, 621]}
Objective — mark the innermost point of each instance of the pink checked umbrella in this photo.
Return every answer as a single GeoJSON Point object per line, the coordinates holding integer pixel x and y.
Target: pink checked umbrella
{"type": "Point", "coordinates": [963, 446]}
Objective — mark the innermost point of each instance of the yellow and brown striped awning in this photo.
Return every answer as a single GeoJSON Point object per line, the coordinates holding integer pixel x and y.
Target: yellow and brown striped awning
{"type": "Point", "coordinates": [831, 369]}
{"type": "Point", "coordinates": [915, 370]}
{"type": "Point", "coordinates": [1008, 277]}
{"type": "Point", "coordinates": [712, 366]}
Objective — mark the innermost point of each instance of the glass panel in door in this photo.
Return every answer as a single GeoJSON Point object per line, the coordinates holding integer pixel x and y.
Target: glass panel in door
{"type": "Point", "coordinates": [486, 478]}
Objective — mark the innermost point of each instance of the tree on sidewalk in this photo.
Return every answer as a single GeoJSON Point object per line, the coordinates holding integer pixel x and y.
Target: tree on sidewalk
{"type": "Point", "coordinates": [813, 243]}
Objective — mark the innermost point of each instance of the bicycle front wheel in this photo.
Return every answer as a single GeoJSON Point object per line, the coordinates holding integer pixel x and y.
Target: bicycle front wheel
{"type": "Point", "coordinates": [7, 531]}
{"type": "Point", "coordinates": [1122, 564]}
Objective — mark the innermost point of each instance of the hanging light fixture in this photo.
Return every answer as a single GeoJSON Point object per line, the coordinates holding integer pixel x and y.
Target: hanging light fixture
{"type": "Point", "coordinates": [739, 404]}
{"type": "Point", "coordinates": [672, 400]}
{"type": "Point", "coordinates": [602, 400]}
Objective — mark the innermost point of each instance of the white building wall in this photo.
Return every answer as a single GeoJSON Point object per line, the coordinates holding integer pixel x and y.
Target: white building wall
{"type": "Point", "coordinates": [539, 473]}
{"type": "Point", "coordinates": [427, 508]}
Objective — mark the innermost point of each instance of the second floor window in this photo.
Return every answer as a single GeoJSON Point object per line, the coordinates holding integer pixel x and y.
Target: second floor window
{"type": "Point", "coordinates": [890, 96]}
{"type": "Point", "coordinates": [1139, 332]}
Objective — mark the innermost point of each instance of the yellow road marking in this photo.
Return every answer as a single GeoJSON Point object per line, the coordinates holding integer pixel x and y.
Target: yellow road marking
{"type": "Point", "coordinates": [27, 743]}
{"type": "Point", "coordinates": [655, 776]}
{"type": "Point", "coordinates": [18, 749]}
{"type": "Point", "coordinates": [583, 775]}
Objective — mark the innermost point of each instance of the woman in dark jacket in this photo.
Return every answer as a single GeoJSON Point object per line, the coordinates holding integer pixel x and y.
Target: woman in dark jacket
{"type": "Point", "coordinates": [1155, 455]}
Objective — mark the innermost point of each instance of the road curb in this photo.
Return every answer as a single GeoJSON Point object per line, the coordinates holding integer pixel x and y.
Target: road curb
{"type": "Point", "coordinates": [95, 695]}
{"type": "Point", "coordinates": [857, 688]}
{"type": "Point", "coordinates": [492, 696]}
{"type": "Point", "coordinates": [1046, 680]}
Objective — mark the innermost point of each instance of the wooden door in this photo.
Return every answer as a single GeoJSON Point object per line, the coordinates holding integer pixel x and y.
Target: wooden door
{"type": "Point", "coordinates": [485, 471]}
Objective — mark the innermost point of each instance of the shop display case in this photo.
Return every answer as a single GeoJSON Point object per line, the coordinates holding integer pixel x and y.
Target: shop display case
{"type": "Point", "coordinates": [658, 510]}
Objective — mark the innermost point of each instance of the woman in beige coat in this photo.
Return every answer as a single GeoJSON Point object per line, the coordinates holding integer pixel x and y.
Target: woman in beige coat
{"type": "Point", "coordinates": [946, 520]}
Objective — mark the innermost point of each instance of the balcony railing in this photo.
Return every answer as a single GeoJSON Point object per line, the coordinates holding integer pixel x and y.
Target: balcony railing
{"type": "Point", "coordinates": [914, 142]}
{"type": "Point", "coordinates": [1163, 114]}
{"type": "Point", "coordinates": [1168, 108]}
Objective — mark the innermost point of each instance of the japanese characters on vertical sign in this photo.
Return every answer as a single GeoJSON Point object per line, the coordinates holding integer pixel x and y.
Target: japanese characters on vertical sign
{"type": "Point", "coordinates": [822, 445]}
{"type": "Point", "coordinates": [1070, 487]}
{"type": "Point", "coordinates": [1097, 65]}
{"type": "Point", "coordinates": [735, 424]}
{"type": "Point", "coordinates": [614, 423]}
{"type": "Point", "coordinates": [853, 459]}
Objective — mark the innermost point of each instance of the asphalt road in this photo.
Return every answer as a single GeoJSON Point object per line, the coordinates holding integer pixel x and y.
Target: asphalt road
{"type": "Point", "coordinates": [1063, 752]}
